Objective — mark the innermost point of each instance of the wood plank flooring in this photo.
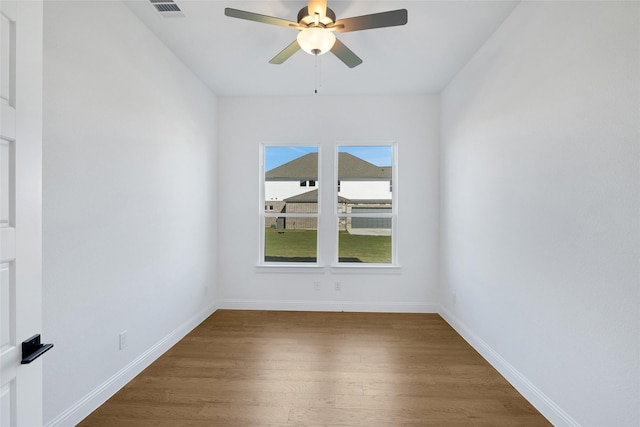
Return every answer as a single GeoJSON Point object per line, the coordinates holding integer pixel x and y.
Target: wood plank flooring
{"type": "Point", "coordinates": [269, 368]}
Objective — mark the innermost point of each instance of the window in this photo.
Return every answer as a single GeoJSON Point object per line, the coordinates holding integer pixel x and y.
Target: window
{"type": "Point", "coordinates": [364, 216]}
{"type": "Point", "coordinates": [290, 230]}
{"type": "Point", "coordinates": [365, 204]}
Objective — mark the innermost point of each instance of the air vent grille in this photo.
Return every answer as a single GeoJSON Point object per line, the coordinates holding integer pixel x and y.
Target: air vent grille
{"type": "Point", "coordinates": [167, 8]}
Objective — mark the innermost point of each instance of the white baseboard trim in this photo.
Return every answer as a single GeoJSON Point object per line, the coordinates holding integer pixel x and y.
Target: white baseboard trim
{"type": "Point", "coordinates": [288, 305]}
{"type": "Point", "coordinates": [77, 412]}
{"type": "Point", "coordinates": [533, 394]}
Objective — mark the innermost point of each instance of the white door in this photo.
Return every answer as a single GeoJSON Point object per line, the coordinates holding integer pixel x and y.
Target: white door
{"type": "Point", "coordinates": [20, 209]}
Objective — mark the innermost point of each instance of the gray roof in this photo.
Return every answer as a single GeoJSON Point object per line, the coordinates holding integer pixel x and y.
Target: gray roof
{"type": "Point", "coordinates": [305, 167]}
{"type": "Point", "coordinates": [311, 197]}
{"type": "Point", "coordinates": [350, 167]}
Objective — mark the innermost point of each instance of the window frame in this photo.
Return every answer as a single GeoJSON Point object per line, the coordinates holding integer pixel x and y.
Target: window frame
{"type": "Point", "coordinates": [273, 214]}
{"type": "Point", "coordinates": [327, 242]}
{"type": "Point", "coordinates": [394, 206]}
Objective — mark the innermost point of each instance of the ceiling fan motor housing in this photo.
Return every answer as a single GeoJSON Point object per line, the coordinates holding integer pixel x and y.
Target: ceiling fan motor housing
{"type": "Point", "coordinates": [305, 19]}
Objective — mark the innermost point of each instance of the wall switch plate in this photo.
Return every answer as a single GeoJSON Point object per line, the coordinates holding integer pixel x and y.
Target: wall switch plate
{"type": "Point", "coordinates": [316, 286]}
{"type": "Point", "coordinates": [338, 286]}
{"type": "Point", "coordinates": [123, 340]}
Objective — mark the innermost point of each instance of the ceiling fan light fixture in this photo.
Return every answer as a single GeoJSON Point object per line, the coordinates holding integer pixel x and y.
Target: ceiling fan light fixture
{"type": "Point", "coordinates": [316, 40]}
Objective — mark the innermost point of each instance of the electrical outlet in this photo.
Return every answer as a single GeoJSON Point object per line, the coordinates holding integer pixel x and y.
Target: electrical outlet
{"type": "Point", "coordinates": [338, 286]}
{"type": "Point", "coordinates": [123, 340]}
{"type": "Point", "coordinates": [316, 286]}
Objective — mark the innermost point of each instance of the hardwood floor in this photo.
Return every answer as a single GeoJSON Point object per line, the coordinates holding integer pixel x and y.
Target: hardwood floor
{"type": "Point", "coordinates": [268, 368]}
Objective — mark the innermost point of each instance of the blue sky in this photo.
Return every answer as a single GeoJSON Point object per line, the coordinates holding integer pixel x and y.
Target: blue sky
{"type": "Point", "coordinates": [378, 155]}
{"type": "Point", "coordinates": [276, 156]}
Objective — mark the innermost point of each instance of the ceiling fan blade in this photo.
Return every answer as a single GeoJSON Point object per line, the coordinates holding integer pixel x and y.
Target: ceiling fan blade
{"type": "Point", "coordinates": [376, 20]}
{"type": "Point", "coordinates": [286, 53]}
{"type": "Point", "coordinates": [345, 54]}
{"type": "Point", "coordinates": [319, 7]}
{"type": "Point", "coordinates": [250, 16]}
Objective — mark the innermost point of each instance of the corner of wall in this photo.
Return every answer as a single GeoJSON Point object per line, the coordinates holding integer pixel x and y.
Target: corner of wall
{"type": "Point", "coordinates": [547, 407]}
{"type": "Point", "coordinates": [89, 403]}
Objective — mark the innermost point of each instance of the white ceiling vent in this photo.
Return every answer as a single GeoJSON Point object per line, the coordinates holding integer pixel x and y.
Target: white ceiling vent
{"type": "Point", "coordinates": [167, 8]}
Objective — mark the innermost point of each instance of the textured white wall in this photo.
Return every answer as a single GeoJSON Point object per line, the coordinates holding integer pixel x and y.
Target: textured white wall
{"type": "Point", "coordinates": [540, 201]}
{"type": "Point", "coordinates": [411, 121]}
{"type": "Point", "coordinates": [129, 195]}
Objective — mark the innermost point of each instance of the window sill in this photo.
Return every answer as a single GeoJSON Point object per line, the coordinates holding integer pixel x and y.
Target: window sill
{"type": "Point", "coordinates": [290, 268]}
{"type": "Point", "coordinates": [334, 268]}
{"type": "Point", "coordinates": [366, 268]}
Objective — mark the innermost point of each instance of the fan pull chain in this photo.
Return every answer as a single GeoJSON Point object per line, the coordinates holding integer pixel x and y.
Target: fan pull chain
{"type": "Point", "coordinates": [317, 59]}
{"type": "Point", "coordinates": [318, 73]}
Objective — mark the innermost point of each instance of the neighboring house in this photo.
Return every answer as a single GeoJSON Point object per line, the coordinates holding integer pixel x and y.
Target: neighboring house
{"type": "Point", "coordinates": [362, 187]}
{"type": "Point", "coordinates": [272, 206]}
{"type": "Point", "coordinates": [307, 203]}
{"type": "Point", "coordinates": [302, 203]}
{"type": "Point", "coordinates": [292, 178]}
{"type": "Point", "coordinates": [357, 179]}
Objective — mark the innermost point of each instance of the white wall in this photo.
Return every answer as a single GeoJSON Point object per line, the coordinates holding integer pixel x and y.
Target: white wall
{"type": "Point", "coordinates": [540, 201]}
{"type": "Point", "coordinates": [411, 121]}
{"type": "Point", "coordinates": [129, 201]}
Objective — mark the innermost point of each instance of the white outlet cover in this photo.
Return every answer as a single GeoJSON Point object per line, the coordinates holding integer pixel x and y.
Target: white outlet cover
{"type": "Point", "coordinates": [123, 340]}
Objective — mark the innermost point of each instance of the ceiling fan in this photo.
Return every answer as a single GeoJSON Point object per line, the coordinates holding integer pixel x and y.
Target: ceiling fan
{"type": "Point", "coordinates": [317, 24]}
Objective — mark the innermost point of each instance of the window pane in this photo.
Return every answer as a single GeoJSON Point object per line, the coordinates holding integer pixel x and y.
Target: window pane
{"type": "Point", "coordinates": [364, 177]}
{"type": "Point", "coordinates": [365, 204]}
{"type": "Point", "coordinates": [291, 175]}
{"type": "Point", "coordinates": [290, 186]}
{"type": "Point", "coordinates": [364, 239]}
{"type": "Point", "coordinates": [290, 239]}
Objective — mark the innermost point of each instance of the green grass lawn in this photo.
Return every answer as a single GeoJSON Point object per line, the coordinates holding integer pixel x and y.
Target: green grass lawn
{"type": "Point", "coordinates": [300, 246]}
{"type": "Point", "coordinates": [290, 245]}
{"type": "Point", "coordinates": [371, 249]}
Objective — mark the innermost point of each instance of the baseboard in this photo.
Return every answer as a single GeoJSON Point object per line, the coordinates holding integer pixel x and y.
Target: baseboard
{"type": "Point", "coordinates": [288, 305]}
{"type": "Point", "coordinates": [533, 394]}
{"type": "Point", "coordinates": [104, 391]}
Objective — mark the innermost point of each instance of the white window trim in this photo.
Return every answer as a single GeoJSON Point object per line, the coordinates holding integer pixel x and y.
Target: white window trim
{"type": "Point", "coordinates": [321, 266]}
{"type": "Point", "coordinates": [393, 215]}
{"type": "Point", "coordinates": [262, 214]}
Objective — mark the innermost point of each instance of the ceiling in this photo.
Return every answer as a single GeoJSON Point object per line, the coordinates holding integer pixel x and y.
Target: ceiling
{"type": "Point", "coordinates": [231, 55]}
